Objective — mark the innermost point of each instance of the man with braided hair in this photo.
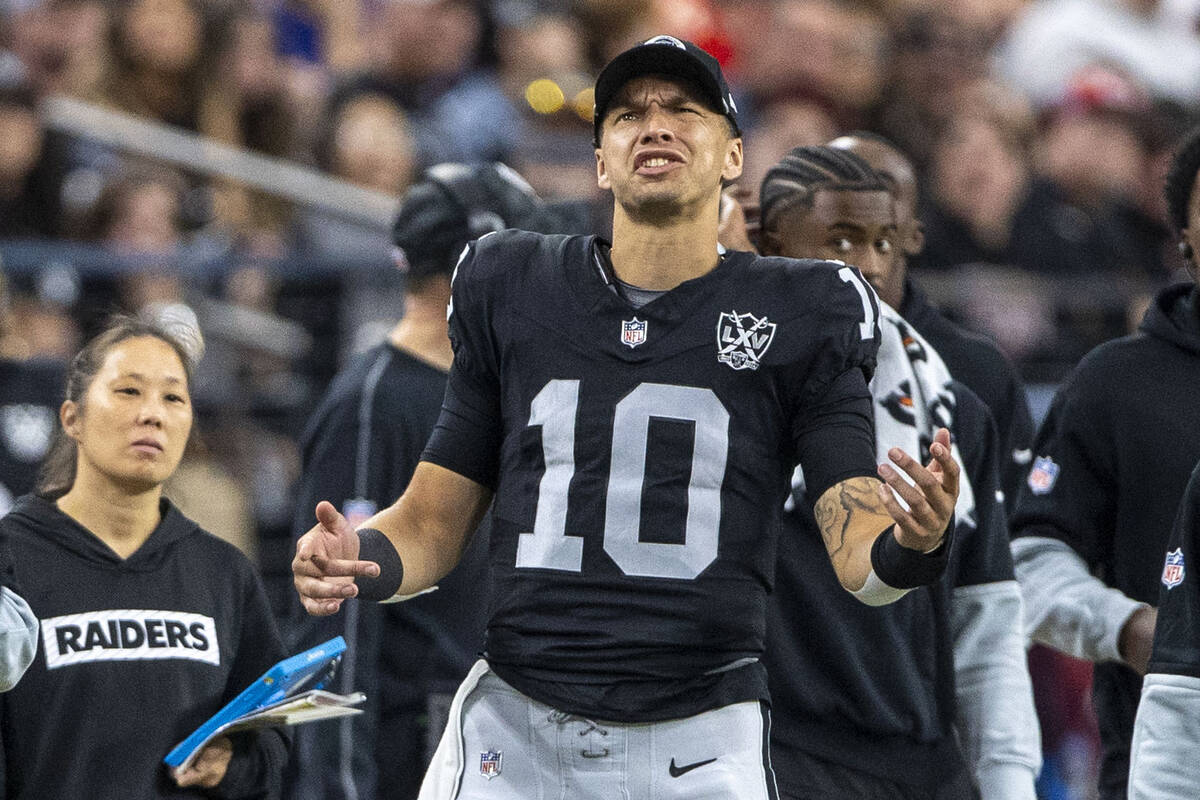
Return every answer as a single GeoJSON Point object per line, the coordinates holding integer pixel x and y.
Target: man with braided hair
{"type": "Point", "coordinates": [972, 358]}
{"type": "Point", "coordinates": [867, 701]}
{"type": "Point", "coordinates": [1110, 466]}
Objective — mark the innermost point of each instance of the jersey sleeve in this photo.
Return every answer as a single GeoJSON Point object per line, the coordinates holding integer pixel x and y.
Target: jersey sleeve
{"type": "Point", "coordinates": [467, 436]}
{"type": "Point", "coordinates": [18, 637]}
{"type": "Point", "coordinates": [1166, 734]}
{"type": "Point", "coordinates": [1177, 633]}
{"type": "Point", "coordinates": [995, 710]}
{"type": "Point", "coordinates": [833, 428]}
{"type": "Point", "coordinates": [1070, 490]}
{"type": "Point", "coordinates": [835, 440]}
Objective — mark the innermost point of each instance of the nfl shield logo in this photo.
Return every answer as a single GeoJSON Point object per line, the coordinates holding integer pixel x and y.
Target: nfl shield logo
{"type": "Point", "coordinates": [633, 332]}
{"type": "Point", "coordinates": [1043, 475]}
{"type": "Point", "coordinates": [743, 339]}
{"type": "Point", "coordinates": [1173, 569]}
{"type": "Point", "coordinates": [489, 763]}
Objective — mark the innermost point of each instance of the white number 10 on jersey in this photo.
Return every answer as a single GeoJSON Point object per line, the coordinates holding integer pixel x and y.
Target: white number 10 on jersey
{"type": "Point", "coordinates": [550, 546]}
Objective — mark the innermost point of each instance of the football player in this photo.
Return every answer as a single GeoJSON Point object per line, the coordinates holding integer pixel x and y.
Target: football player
{"type": "Point", "coordinates": [1110, 465]}
{"type": "Point", "coordinates": [972, 359]}
{"type": "Point", "coordinates": [636, 410]}
{"type": "Point", "coordinates": [1166, 733]}
{"type": "Point", "coordinates": [867, 701]}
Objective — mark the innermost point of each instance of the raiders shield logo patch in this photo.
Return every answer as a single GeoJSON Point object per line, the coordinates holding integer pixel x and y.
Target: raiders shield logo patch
{"type": "Point", "coordinates": [1172, 574]}
{"type": "Point", "coordinates": [743, 339]}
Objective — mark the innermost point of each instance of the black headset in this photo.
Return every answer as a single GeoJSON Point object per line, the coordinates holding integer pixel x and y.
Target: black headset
{"type": "Point", "coordinates": [490, 196]}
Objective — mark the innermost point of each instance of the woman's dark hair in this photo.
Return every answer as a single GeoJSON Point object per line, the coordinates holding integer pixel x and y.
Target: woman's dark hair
{"type": "Point", "coordinates": [57, 473]}
{"type": "Point", "coordinates": [1181, 177]}
{"type": "Point", "coordinates": [806, 170]}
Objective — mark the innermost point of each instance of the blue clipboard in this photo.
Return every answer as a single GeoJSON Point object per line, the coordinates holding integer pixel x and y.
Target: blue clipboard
{"type": "Point", "coordinates": [281, 680]}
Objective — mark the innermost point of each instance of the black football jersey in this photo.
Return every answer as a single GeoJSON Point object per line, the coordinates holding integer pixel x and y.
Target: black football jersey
{"type": "Point", "coordinates": [1177, 634]}
{"type": "Point", "coordinates": [1162, 754]}
{"type": "Point", "coordinates": [640, 457]}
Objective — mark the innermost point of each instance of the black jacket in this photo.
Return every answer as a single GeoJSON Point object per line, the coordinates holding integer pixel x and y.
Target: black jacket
{"type": "Point", "coordinates": [1110, 465]}
{"type": "Point", "coordinates": [134, 654]}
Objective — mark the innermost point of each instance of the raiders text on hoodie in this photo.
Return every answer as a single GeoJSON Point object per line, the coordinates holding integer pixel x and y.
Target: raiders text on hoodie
{"type": "Point", "coordinates": [134, 654]}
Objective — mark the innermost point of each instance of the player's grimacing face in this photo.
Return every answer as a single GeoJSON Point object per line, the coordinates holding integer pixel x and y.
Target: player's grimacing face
{"type": "Point", "coordinates": [136, 415]}
{"type": "Point", "coordinates": [661, 145]}
{"type": "Point", "coordinates": [857, 227]}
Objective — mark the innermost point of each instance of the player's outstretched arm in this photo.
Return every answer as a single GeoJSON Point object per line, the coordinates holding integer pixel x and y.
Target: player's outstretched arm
{"type": "Point", "coordinates": [852, 513]}
{"type": "Point", "coordinates": [405, 548]}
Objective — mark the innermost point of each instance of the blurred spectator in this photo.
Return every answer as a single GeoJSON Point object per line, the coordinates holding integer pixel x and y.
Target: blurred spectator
{"type": "Point", "coordinates": [368, 141]}
{"type": "Point", "coordinates": [779, 126]}
{"type": "Point", "coordinates": [63, 45]}
{"type": "Point", "coordinates": [30, 393]}
{"type": "Point", "coordinates": [936, 53]}
{"type": "Point", "coordinates": [28, 178]}
{"type": "Point", "coordinates": [1053, 39]}
{"type": "Point", "coordinates": [612, 25]}
{"type": "Point", "coordinates": [843, 45]}
{"type": "Point", "coordinates": [137, 218]}
{"type": "Point", "coordinates": [1099, 146]}
{"type": "Point", "coordinates": [1090, 144]}
{"type": "Point", "coordinates": [244, 104]}
{"type": "Point", "coordinates": [987, 205]}
{"type": "Point", "coordinates": [325, 31]}
{"type": "Point", "coordinates": [543, 68]}
{"type": "Point", "coordinates": [139, 214]}
{"type": "Point", "coordinates": [429, 55]}
{"type": "Point", "coordinates": [157, 52]}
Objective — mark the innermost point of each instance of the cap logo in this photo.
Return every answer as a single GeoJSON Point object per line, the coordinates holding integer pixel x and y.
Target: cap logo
{"type": "Point", "coordinates": [666, 40]}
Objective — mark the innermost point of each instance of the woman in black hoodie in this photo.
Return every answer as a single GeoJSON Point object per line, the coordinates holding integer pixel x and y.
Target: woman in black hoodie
{"type": "Point", "coordinates": [149, 624]}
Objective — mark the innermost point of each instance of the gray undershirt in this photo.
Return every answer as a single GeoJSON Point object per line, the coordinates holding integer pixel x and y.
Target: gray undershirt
{"type": "Point", "coordinates": [635, 295]}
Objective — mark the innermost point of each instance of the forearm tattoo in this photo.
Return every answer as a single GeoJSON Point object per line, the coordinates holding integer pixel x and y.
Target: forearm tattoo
{"type": "Point", "coordinates": [837, 510]}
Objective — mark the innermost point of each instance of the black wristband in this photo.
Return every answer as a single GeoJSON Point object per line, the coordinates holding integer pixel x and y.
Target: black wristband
{"type": "Point", "coordinates": [904, 568]}
{"type": "Point", "coordinates": [374, 546]}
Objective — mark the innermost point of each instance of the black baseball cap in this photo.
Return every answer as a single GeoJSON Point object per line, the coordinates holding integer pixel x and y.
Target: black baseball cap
{"type": "Point", "coordinates": [675, 58]}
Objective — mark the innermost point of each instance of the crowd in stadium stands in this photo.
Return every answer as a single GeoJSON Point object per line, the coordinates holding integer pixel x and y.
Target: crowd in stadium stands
{"type": "Point", "coordinates": [1041, 131]}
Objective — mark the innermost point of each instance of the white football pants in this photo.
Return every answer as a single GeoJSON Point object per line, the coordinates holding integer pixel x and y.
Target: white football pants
{"type": "Point", "coordinates": [501, 745]}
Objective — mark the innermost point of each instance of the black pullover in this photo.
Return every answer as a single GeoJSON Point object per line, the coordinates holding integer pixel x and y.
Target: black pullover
{"type": "Point", "coordinates": [134, 654]}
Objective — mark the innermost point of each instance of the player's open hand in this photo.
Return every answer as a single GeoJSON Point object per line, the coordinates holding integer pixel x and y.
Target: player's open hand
{"type": "Point", "coordinates": [326, 563]}
{"type": "Point", "coordinates": [209, 767]}
{"type": "Point", "coordinates": [930, 497]}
